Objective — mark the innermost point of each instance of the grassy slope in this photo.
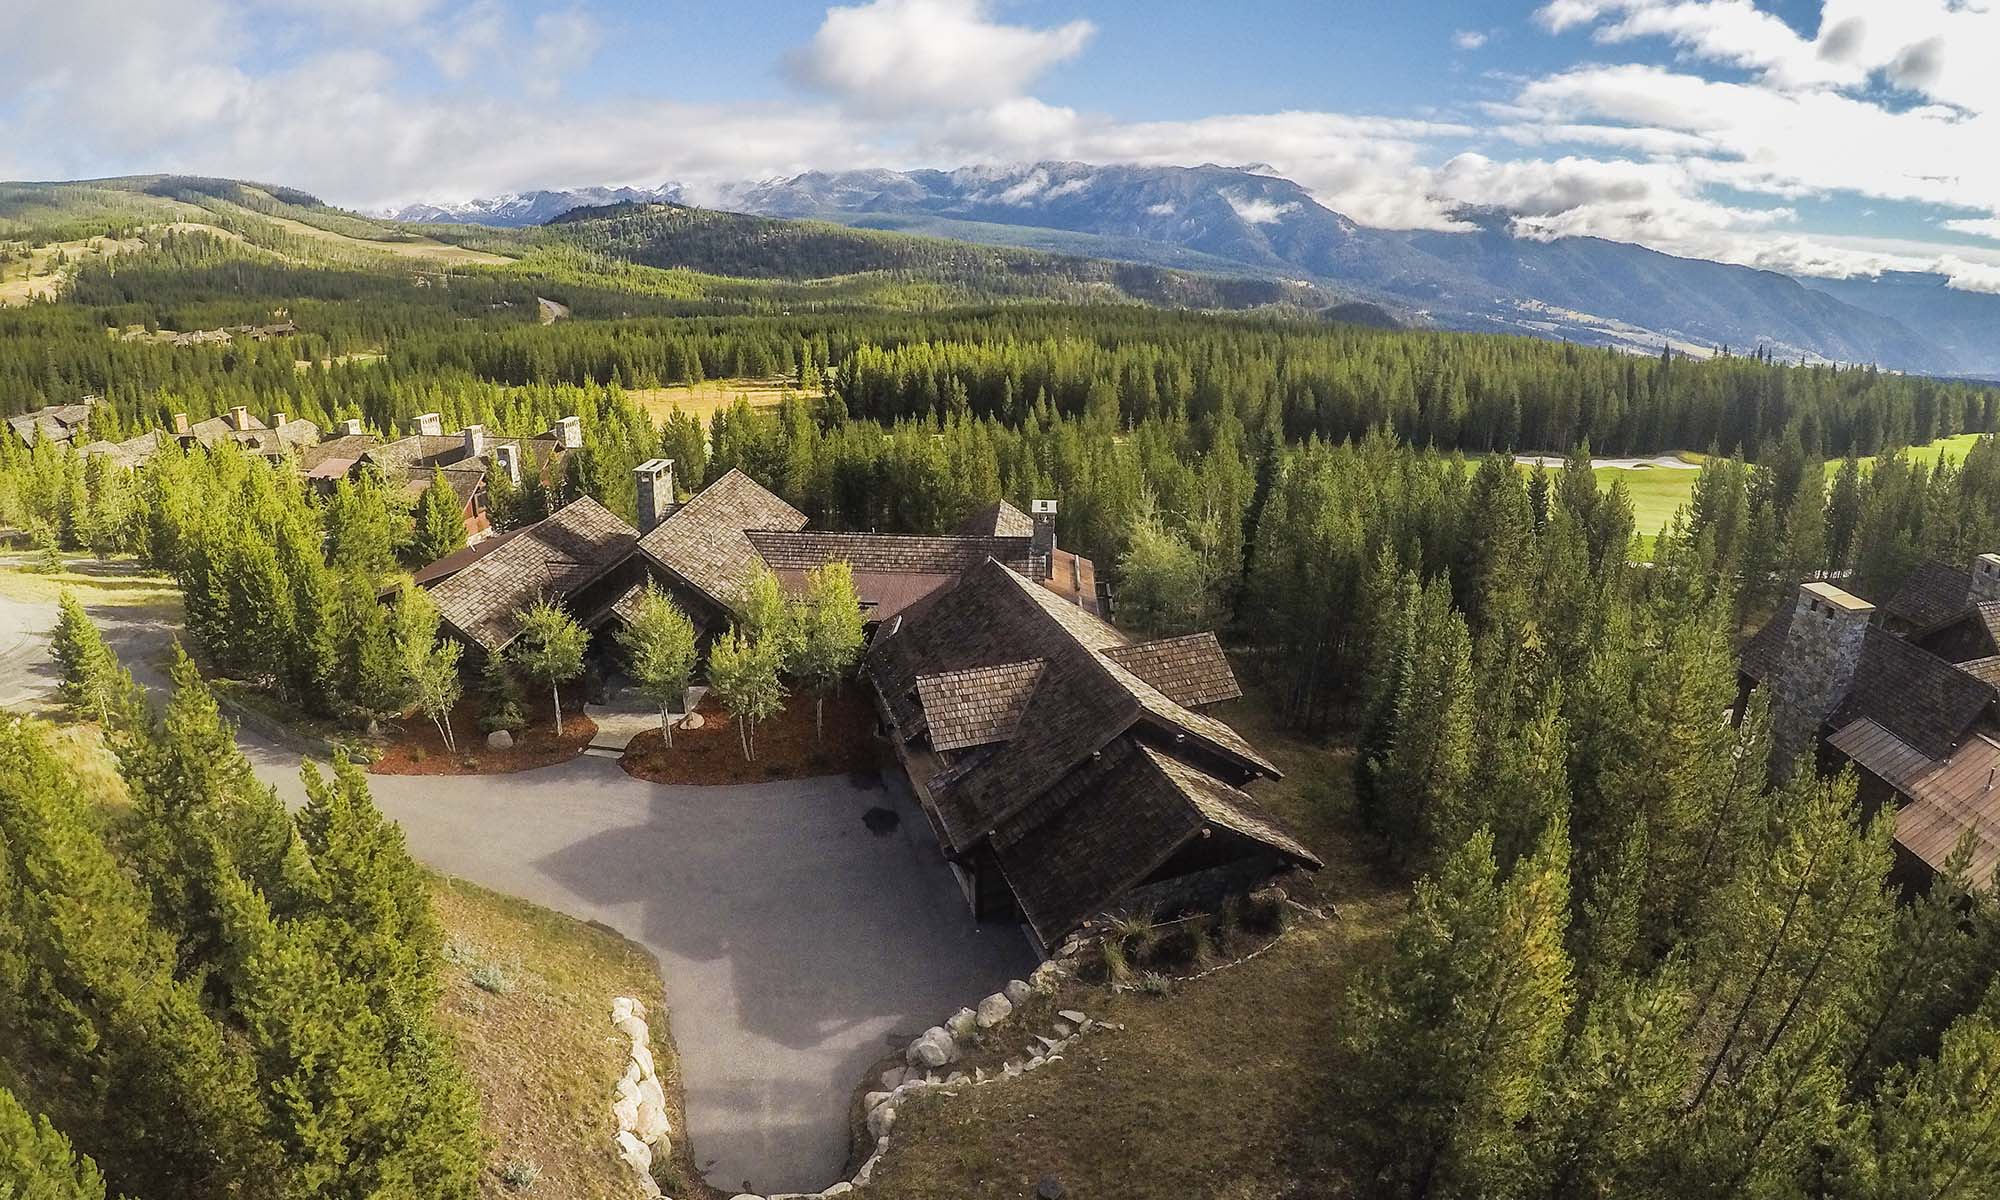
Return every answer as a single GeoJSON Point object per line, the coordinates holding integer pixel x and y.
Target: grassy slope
{"type": "Point", "coordinates": [1218, 1090]}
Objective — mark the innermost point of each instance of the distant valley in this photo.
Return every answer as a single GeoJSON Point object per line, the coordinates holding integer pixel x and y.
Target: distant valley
{"type": "Point", "coordinates": [1247, 221]}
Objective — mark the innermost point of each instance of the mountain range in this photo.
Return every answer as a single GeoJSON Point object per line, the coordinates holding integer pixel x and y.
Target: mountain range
{"type": "Point", "coordinates": [1250, 221]}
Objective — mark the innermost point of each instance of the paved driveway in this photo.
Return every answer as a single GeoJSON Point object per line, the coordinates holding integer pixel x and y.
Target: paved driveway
{"type": "Point", "coordinates": [797, 946]}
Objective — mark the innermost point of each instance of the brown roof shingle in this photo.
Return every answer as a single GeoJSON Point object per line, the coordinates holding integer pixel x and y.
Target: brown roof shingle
{"type": "Point", "coordinates": [889, 553]}
{"type": "Point", "coordinates": [705, 543]}
{"type": "Point", "coordinates": [998, 519]}
{"type": "Point", "coordinates": [1190, 670]}
{"type": "Point", "coordinates": [1914, 694]}
{"type": "Point", "coordinates": [976, 706]}
{"type": "Point", "coordinates": [1931, 593]}
{"type": "Point", "coordinates": [552, 559]}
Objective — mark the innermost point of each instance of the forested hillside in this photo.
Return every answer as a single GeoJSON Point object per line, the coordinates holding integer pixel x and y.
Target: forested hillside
{"type": "Point", "coordinates": [1635, 962]}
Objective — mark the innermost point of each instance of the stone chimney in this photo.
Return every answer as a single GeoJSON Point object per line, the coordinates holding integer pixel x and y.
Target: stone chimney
{"type": "Point", "coordinates": [277, 421]}
{"type": "Point", "coordinates": [1042, 550]}
{"type": "Point", "coordinates": [1986, 577]}
{"type": "Point", "coordinates": [569, 433]}
{"type": "Point", "coordinates": [239, 417]}
{"type": "Point", "coordinates": [475, 440]}
{"type": "Point", "coordinates": [655, 481]}
{"type": "Point", "coordinates": [1822, 648]}
{"type": "Point", "coordinates": [508, 455]}
{"type": "Point", "coordinates": [351, 427]}
{"type": "Point", "coordinates": [181, 424]}
{"type": "Point", "coordinates": [430, 424]}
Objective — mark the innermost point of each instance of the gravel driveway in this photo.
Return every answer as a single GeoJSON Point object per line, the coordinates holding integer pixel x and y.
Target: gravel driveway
{"type": "Point", "coordinates": [798, 944]}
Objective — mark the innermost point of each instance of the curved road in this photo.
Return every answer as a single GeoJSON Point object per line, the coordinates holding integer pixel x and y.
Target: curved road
{"type": "Point", "coordinates": [797, 946]}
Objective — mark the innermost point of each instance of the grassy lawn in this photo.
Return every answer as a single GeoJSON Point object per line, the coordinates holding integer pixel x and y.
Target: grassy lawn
{"type": "Point", "coordinates": [528, 997]}
{"type": "Point", "coordinates": [1218, 1089]}
{"type": "Point", "coordinates": [119, 581]}
{"type": "Point", "coordinates": [1952, 450]}
{"type": "Point", "coordinates": [702, 399]}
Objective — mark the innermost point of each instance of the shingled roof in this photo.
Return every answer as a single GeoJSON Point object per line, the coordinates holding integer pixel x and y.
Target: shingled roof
{"type": "Point", "coordinates": [551, 559]}
{"type": "Point", "coordinates": [1922, 699]}
{"type": "Point", "coordinates": [976, 706]}
{"type": "Point", "coordinates": [705, 541]}
{"type": "Point", "coordinates": [998, 519]}
{"type": "Point", "coordinates": [1081, 701]}
{"type": "Point", "coordinates": [1106, 827]}
{"type": "Point", "coordinates": [802, 549]}
{"type": "Point", "coordinates": [1190, 670]}
{"type": "Point", "coordinates": [1931, 593]}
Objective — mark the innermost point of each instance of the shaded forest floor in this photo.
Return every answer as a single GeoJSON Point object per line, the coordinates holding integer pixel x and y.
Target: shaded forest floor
{"type": "Point", "coordinates": [1219, 1088]}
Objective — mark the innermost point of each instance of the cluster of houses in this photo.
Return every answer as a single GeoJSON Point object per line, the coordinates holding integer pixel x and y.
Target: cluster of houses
{"type": "Point", "coordinates": [1066, 769]}
{"type": "Point", "coordinates": [1908, 693]}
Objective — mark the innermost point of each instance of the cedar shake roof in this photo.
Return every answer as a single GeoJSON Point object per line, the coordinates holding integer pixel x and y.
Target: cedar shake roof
{"type": "Point", "coordinates": [1082, 700]}
{"type": "Point", "coordinates": [1190, 670]}
{"type": "Point", "coordinates": [348, 447]}
{"type": "Point", "coordinates": [998, 519]}
{"type": "Point", "coordinates": [218, 429]}
{"type": "Point", "coordinates": [704, 541]}
{"type": "Point", "coordinates": [552, 559]}
{"type": "Point", "coordinates": [461, 558]}
{"type": "Point", "coordinates": [1112, 823]}
{"type": "Point", "coordinates": [1765, 651]}
{"type": "Point", "coordinates": [1986, 670]}
{"type": "Point", "coordinates": [888, 553]}
{"type": "Point", "coordinates": [883, 594]}
{"type": "Point", "coordinates": [130, 452]}
{"type": "Point", "coordinates": [1947, 799]}
{"type": "Point", "coordinates": [54, 423]}
{"type": "Point", "coordinates": [977, 706]}
{"type": "Point", "coordinates": [1932, 593]}
{"type": "Point", "coordinates": [1919, 697]}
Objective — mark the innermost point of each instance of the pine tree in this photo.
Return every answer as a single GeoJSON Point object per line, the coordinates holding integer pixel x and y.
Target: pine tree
{"type": "Point", "coordinates": [36, 1162]}
{"type": "Point", "coordinates": [1426, 807]}
{"type": "Point", "coordinates": [440, 527]}
{"type": "Point", "coordinates": [1447, 1041]}
{"type": "Point", "coordinates": [550, 649]}
{"type": "Point", "coordinates": [93, 683]}
{"type": "Point", "coordinates": [659, 645]}
{"type": "Point", "coordinates": [499, 696]}
{"type": "Point", "coordinates": [1935, 1129]}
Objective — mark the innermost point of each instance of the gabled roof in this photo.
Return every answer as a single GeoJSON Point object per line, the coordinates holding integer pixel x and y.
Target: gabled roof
{"type": "Point", "coordinates": [1932, 593]}
{"type": "Point", "coordinates": [1983, 617]}
{"type": "Point", "coordinates": [218, 429]}
{"type": "Point", "coordinates": [1110, 824]}
{"type": "Point", "coordinates": [130, 452]}
{"type": "Point", "coordinates": [1921, 698]}
{"type": "Point", "coordinates": [552, 559]}
{"type": "Point", "coordinates": [1986, 670]}
{"type": "Point", "coordinates": [1190, 670]}
{"type": "Point", "coordinates": [54, 423]}
{"type": "Point", "coordinates": [704, 541]}
{"type": "Point", "coordinates": [347, 447]}
{"type": "Point", "coordinates": [1082, 700]}
{"type": "Point", "coordinates": [976, 706]}
{"type": "Point", "coordinates": [998, 519]}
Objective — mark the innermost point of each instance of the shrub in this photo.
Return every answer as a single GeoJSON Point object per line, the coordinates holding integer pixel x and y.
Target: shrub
{"type": "Point", "coordinates": [489, 977]}
{"type": "Point", "coordinates": [521, 1174]}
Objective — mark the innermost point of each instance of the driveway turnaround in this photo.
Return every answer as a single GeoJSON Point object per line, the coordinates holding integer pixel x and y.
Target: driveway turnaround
{"type": "Point", "coordinates": [803, 931]}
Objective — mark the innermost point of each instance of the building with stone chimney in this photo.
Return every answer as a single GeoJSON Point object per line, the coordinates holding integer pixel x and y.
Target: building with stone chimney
{"type": "Point", "coordinates": [1908, 694]}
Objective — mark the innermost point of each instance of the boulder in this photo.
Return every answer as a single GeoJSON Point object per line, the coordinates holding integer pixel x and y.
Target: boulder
{"type": "Point", "coordinates": [626, 1109]}
{"type": "Point", "coordinates": [652, 1124]}
{"type": "Point", "coordinates": [1017, 992]}
{"type": "Point", "coordinates": [881, 1119]}
{"type": "Point", "coordinates": [962, 1022]}
{"type": "Point", "coordinates": [993, 1010]}
{"type": "Point", "coordinates": [642, 1057]}
{"type": "Point", "coordinates": [634, 1028]}
{"type": "Point", "coordinates": [934, 1048]}
{"type": "Point", "coordinates": [650, 1093]}
{"type": "Point", "coordinates": [872, 1099]}
{"type": "Point", "coordinates": [1064, 1029]}
{"type": "Point", "coordinates": [1050, 1188]}
{"type": "Point", "coordinates": [892, 1077]}
{"type": "Point", "coordinates": [839, 1189]}
{"type": "Point", "coordinates": [1072, 1016]}
{"type": "Point", "coordinates": [637, 1154]}
{"type": "Point", "coordinates": [622, 1007]}
{"type": "Point", "coordinates": [499, 739]}
{"type": "Point", "coordinates": [1047, 977]}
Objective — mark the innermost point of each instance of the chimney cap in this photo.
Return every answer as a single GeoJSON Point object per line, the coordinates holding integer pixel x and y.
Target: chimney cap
{"type": "Point", "coordinates": [1043, 508]}
{"type": "Point", "coordinates": [1834, 598]}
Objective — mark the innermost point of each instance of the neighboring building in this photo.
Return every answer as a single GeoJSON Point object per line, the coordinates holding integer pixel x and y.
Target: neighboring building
{"type": "Point", "coordinates": [464, 457]}
{"type": "Point", "coordinates": [132, 452]}
{"type": "Point", "coordinates": [55, 423]}
{"type": "Point", "coordinates": [1066, 770]}
{"type": "Point", "coordinates": [1906, 694]}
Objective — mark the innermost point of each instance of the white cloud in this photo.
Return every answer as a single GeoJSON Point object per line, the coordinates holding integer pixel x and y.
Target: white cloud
{"type": "Point", "coordinates": [1986, 227]}
{"type": "Point", "coordinates": [893, 55]}
{"type": "Point", "coordinates": [1256, 209]}
{"type": "Point", "coordinates": [1468, 39]}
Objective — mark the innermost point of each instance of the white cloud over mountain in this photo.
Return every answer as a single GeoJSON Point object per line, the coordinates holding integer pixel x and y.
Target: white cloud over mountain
{"type": "Point", "coordinates": [1728, 145]}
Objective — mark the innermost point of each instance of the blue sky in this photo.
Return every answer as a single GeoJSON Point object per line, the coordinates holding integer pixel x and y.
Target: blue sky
{"type": "Point", "coordinates": [1834, 137]}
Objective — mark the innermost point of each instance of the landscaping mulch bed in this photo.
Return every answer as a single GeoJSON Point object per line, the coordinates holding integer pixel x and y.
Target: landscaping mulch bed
{"type": "Point", "coordinates": [786, 747]}
{"type": "Point", "coordinates": [414, 747]}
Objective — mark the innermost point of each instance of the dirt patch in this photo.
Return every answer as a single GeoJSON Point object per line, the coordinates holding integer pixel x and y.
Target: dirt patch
{"type": "Point", "coordinates": [414, 747]}
{"type": "Point", "coordinates": [701, 400]}
{"type": "Point", "coordinates": [786, 746]}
